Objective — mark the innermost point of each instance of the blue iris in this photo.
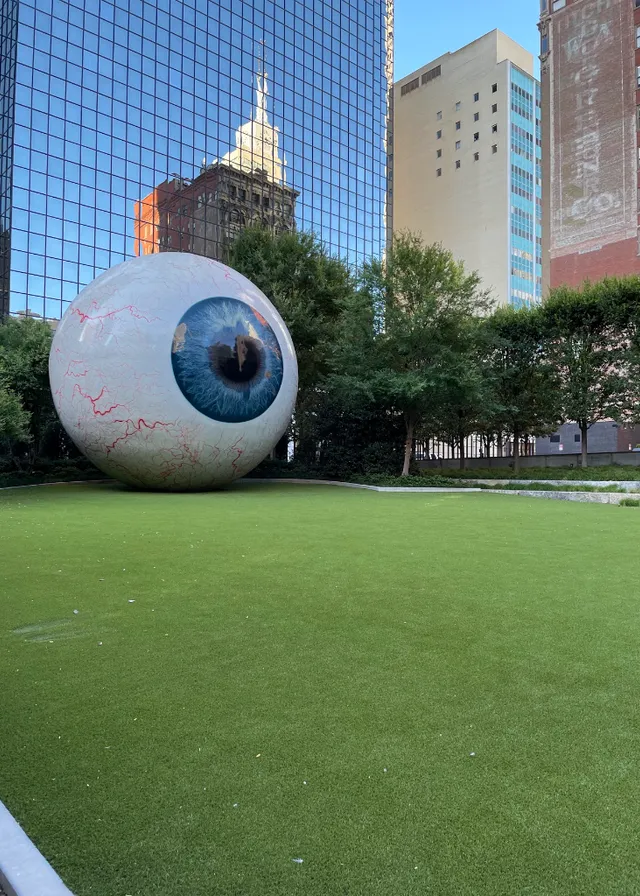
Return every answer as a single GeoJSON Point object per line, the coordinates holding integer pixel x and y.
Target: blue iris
{"type": "Point", "coordinates": [226, 360]}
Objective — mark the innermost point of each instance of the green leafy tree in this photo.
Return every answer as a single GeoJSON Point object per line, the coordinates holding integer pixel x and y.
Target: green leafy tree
{"type": "Point", "coordinates": [24, 376]}
{"type": "Point", "coordinates": [466, 398]}
{"type": "Point", "coordinates": [309, 288]}
{"type": "Point", "coordinates": [410, 333]}
{"type": "Point", "coordinates": [584, 345]}
{"type": "Point", "coordinates": [522, 382]}
{"type": "Point", "coordinates": [360, 431]}
{"type": "Point", "coordinates": [14, 420]}
{"type": "Point", "coordinates": [621, 299]}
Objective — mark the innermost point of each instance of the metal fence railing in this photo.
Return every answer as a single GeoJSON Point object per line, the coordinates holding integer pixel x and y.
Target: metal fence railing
{"type": "Point", "coordinates": [474, 446]}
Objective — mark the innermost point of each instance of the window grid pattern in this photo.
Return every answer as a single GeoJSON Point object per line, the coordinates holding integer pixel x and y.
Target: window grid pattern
{"type": "Point", "coordinates": [117, 97]}
{"type": "Point", "coordinates": [8, 45]}
{"type": "Point", "coordinates": [526, 210]}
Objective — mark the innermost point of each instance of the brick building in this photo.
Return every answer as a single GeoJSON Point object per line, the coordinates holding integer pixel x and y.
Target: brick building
{"type": "Point", "coordinates": [247, 186]}
{"type": "Point", "coordinates": [590, 75]}
{"type": "Point", "coordinates": [202, 216]}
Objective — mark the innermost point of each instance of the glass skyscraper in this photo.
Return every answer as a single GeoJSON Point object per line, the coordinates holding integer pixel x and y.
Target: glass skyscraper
{"type": "Point", "coordinates": [133, 126]}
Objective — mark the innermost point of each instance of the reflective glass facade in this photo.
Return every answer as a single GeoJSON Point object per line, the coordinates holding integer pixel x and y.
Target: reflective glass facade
{"type": "Point", "coordinates": [116, 103]}
{"type": "Point", "coordinates": [8, 45]}
{"type": "Point", "coordinates": [526, 190]}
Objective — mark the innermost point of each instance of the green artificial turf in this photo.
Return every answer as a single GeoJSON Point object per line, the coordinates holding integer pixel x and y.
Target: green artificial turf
{"type": "Point", "coordinates": [454, 676]}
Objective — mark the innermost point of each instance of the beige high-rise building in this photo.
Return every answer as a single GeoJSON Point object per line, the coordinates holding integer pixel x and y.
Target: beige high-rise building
{"type": "Point", "coordinates": [466, 163]}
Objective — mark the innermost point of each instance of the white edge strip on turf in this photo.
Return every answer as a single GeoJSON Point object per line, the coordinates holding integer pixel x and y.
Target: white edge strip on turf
{"type": "Point", "coordinates": [24, 871]}
{"type": "Point", "coordinates": [6, 488]}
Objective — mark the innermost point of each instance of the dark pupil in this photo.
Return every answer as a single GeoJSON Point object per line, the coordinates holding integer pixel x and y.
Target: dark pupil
{"type": "Point", "coordinates": [237, 363]}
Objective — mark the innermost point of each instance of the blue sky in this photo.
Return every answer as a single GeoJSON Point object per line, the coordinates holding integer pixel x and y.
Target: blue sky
{"type": "Point", "coordinates": [424, 29]}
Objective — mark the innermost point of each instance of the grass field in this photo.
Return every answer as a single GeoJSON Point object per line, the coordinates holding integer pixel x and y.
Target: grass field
{"type": "Point", "coordinates": [415, 694]}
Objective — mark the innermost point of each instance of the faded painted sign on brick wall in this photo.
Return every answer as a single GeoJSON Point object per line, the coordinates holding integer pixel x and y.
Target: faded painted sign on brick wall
{"type": "Point", "coordinates": [593, 129]}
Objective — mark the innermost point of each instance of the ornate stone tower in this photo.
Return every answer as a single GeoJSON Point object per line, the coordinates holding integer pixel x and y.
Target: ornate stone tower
{"type": "Point", "coordinates": [246, 186]}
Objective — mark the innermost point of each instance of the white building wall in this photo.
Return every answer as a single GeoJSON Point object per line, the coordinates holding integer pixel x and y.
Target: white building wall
{"type": "Point", "coordinates": [466, 208]}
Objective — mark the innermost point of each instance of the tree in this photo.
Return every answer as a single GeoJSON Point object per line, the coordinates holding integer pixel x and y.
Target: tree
{"type": "Point", "coordinates": [522, 382]}
{"type": "Point", "coordinates": [583, 342]}
{"type": "Point", "coordinates": [621, 297]}
{"type": "Point", "coordinates": [466, 394]}
{"type": "Point", "coordinates": [24, 376]}
{"type": "Point", "coordinates": [309, 288]}
{"type": "Point", "coordinates": [14, 420]}
{"type": "Point", "coordinates": [414, 309]}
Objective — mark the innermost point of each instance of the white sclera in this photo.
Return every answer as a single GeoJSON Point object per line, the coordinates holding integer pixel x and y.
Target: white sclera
{"type": "Point", "coordinates": [114, 387]}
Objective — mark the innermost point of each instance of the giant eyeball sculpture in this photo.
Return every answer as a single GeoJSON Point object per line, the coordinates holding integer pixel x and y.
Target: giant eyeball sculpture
{"type": "Point", "coordinates": [173, 371]}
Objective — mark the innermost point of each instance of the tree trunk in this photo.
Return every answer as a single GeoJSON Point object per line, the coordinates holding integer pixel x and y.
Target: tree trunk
{"type": "Point", "coordinates": [516, 451]}
{"type": "Point", "coordinates": [584, 430]}
{"type": "Point", "coordinates": [500, 445]}
{"type": "Point", "coordinates": [463, 457]}
{"type": "Point", "coordinates": [408, 445]}
{"type": "Point", "coordinates": [281, 448]}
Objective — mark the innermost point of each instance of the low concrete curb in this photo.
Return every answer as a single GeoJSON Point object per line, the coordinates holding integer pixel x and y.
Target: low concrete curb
{"type": "Point", "coordinates": [581, 497]}
{"type": "Point", "coordinates": [629, 485]}
{"type": "Point", "coordinates": [24, 871]}
{"type": "Point", "coordinates": [370, 488]}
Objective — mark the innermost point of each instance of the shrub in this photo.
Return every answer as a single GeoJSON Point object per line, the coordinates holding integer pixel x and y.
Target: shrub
{"type": "Point", "coordinates": [630, 502]}
{"type": "Point", "coordinates": [75, 469]}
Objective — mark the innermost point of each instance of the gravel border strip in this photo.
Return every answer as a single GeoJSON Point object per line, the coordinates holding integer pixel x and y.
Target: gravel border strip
{"type": "Point", "coordinates": [24, 871]}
